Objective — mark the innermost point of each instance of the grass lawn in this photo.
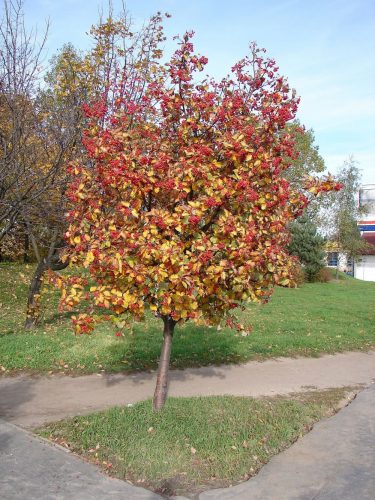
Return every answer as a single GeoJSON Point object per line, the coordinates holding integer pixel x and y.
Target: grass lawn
{"type": "Point", "coordinates": [193, 443]}
{"type": "Point", "coordinates": [314, 319]}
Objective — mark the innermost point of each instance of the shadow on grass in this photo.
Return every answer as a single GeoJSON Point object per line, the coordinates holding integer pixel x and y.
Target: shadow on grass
{"type": "Point", "coordinates": [192, 347]}
{"type": "Point", "coordinates": [58, 316]}
{"type": "Point", "coordinates": [7, 332]}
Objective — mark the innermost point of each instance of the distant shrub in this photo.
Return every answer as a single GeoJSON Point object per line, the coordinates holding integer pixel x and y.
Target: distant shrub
{"type": "Point", "coordinates": [324, 275]}
{"type": "Point", "coordinates": [298, 276]}
{"type": "Point", "coordinates": [10, 248]}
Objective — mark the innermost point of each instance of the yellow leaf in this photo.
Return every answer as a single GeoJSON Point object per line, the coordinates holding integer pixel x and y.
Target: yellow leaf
{"type": "Point", "coordinates": [119, 261]}
{"type": "Point", "coordinates": [90, 257]}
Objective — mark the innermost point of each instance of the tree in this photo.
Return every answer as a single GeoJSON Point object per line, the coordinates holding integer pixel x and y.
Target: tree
{"type": "Point", "coordinates": [308, 161]}
{"type": "Point", "coordinates": [307, 245]}
{"type": "Point", "coordinates": [36, 141]}
{"type": "Point", "coordinates": [342, 212]}
{"type": "Point", "coordinates": [58, 104]}
{"type": "Point", "coordinates": [20, 146]}
{"type": "Point", "coordinates": [181, 207]}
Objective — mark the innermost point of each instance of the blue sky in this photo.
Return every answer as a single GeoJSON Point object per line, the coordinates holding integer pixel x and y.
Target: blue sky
{"type": "Point", "coordinates": [325, 48]}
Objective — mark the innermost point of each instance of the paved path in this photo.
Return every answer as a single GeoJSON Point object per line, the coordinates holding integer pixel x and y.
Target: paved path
{"type": "Point", "coordinates": [32, 401]}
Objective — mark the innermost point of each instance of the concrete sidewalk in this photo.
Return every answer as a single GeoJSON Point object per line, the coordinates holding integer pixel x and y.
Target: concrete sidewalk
{"type": "Point", "coordinates": [32, 401]}
{"type": "Point", "coordinates": [335, 461]}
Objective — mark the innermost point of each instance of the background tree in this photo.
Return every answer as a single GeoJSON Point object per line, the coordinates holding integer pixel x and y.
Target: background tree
{"type": "Point", "coordinates": [59, 104]}
{"type": "Point", "coordinates": [35, 144]}
{"type": "Point", "coordinates": [307, 245]}
{"type": "Point", "coordinates": [24, 175]}
{"type": "Point", "coordinates": [341, 212]}
{"type": "Point", "coordinates": [308, 161]}
{"type": "Point", "coordinates": [183, 209]}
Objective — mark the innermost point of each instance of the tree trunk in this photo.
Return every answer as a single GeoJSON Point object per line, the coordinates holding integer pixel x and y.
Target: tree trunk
{"type": "Point", "coordinates": [33, 300]}
{"type": "Point", "coordinates": [51, 261]}
{"type": "Point", "coordinates": [161, 389]}
{"type": "Point", "coordinates": [26, 246]}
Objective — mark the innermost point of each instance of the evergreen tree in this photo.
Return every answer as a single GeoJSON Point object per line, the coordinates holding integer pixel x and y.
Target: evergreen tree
{"type": "Point", "coordinates": [307, 245]}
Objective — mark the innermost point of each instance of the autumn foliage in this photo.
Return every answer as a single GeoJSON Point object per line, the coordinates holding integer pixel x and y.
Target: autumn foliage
{"type": "Point", "coordinates": [182, 206]}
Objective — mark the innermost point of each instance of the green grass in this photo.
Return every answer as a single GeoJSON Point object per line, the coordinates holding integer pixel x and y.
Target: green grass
{"type": "Point", "coordinates": [193, 443]}
{"type": "Point", "coordinates": [316, 318]}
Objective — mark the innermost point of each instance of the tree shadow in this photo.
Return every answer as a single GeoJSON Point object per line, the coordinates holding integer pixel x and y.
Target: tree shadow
{"type": "Point", "coordinates": [193, 347]}
{"type": "Point", "coordinates": [5, 439]}
{"type": "Point", "coordinates": [7, 332]}
{"type": "Point", "coordinates": [59, 316]}
{"type": "Point", "coordinates": [14, 392]}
